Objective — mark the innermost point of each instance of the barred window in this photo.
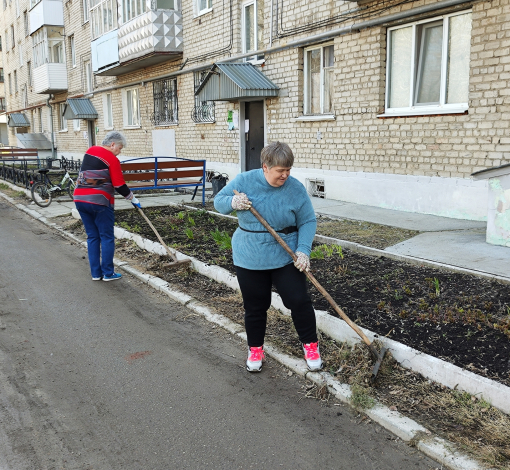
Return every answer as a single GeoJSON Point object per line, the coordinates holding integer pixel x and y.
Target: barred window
{"type": "Point", "coordinates": [165, 102]}
{"type": "Point", "coordinates": [203, 111]}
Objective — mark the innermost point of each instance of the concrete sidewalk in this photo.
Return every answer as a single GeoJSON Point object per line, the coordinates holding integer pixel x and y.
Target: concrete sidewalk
{"type": "Point", "coordinates": [455, 242]}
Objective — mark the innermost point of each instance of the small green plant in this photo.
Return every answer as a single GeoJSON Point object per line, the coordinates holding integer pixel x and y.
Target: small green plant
{"type": "Point", "coordinates": [326, 251]}
{"type": "Point", "coordinates": [222, 239]}
{"type": "Point", "coordinates": [398, 295]}
{"type": "Point", "coordinates": [191, 221]}
{"type": "Point", "coordinates": [180, 215]}
{"type": "Point", "coordinates": [3, 186]}
{"type": "Point", "coordinates": [360, 397]}
{"type": "Point", "coordinates": [436, 286]}
{"type": "Point", "coordinates": [189, 233]}
{"type": "Point", "coordinates": [20, 194]}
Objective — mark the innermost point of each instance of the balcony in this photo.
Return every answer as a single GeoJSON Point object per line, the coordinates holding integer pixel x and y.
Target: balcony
{"type": "Point", "coordinates": [46, 13]}
{"type": "Point", "coordinates": [50, 78]}
{"type": "Point", "coordinates": [150, 38]}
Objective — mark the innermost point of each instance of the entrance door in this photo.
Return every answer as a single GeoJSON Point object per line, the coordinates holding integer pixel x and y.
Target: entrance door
{"type": "Point", "coordinates": [254, 115]}
{"type": "Point", "coordinates": [91, 131]}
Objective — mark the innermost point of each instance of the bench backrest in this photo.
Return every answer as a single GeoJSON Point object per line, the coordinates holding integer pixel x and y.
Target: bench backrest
{"type": "Point", "coordinates": [145, 171]}
{"type": "Point", "coordinates": [14, 153]}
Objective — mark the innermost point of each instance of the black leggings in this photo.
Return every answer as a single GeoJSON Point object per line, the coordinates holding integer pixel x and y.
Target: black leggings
{"type": "Point", "coordinates": [291, 285]}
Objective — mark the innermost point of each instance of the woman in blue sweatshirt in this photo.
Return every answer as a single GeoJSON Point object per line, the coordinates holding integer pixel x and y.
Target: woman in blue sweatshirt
{"type": "Point", "coordinates": [260, 261]}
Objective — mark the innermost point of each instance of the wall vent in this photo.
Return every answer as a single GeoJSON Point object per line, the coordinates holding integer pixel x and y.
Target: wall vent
{"type": "Point", "coordinates": [316, 187]}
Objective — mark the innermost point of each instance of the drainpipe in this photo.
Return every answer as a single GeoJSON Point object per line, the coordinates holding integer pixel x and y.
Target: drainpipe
{"type": "Point", "coordinates": [393, 18]}
{"type": "Point", "coordinates": [50, 97]}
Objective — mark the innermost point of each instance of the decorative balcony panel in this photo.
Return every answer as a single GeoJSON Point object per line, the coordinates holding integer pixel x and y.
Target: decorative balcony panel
{"type": "Point", "coordinates": [154, 32]}
{"type": "Point", "coordinates": [105, 51]}
{"type": "Point", "coordinates": [46, 12]}
{"type": "Point", "coordinates": [50, 78]}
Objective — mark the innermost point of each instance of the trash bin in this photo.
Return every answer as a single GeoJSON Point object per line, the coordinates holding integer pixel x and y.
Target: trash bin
{"type": "Point", "coordinates": [218, 181]}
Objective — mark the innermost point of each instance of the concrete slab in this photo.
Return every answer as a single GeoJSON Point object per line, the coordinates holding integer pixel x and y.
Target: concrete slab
{"type": "Point", "coordinates": [466, 249]}
{"type": "Point", "coordinates": [405, 220]}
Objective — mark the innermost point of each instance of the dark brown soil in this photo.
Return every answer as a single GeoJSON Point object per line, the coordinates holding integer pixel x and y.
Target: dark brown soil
{"type": "Point", "coordinates": [460, 318]}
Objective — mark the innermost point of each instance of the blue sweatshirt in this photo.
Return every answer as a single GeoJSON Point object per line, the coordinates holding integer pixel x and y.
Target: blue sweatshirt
{"type": "Point", "coordinates": [285, 206]}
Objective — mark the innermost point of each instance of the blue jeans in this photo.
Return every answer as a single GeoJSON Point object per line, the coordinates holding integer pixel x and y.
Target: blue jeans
{"type": "Point", "coordinates": [98, 221]}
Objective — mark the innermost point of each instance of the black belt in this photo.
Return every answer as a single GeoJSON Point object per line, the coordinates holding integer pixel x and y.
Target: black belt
{"type": "Point", "coordinates": [285, 230]}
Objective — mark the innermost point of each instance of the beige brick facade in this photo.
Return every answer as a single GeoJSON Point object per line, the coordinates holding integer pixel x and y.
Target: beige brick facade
{"type": "Point", "coordinates": [360, 155]}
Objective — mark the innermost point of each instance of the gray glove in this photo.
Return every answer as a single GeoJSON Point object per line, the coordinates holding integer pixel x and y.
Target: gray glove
{"type": "Point", "coordinates": [240, 202]}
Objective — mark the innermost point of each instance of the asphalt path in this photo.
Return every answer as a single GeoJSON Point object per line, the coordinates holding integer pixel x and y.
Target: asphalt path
{"type": "Point", "coordinates": [112, 375]}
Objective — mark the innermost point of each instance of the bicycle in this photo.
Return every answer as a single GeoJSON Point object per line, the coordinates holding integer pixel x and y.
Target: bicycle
{"type": "Point", "coordinates": [42, 191]}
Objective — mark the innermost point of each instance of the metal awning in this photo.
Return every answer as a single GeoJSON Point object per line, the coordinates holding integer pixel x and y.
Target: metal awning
{"type": "Point", "coordinates": [228, 82]}
{"type": "Point", "coordinates": [493, 172]}
{"type": "Point", "coordinates": [18, 120]}
{"type": "Point", "coordinates": [79, 108]}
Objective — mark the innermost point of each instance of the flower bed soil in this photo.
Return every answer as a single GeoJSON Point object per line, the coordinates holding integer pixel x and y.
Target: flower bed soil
{"type": "Point", "coordinates": [459, 318]}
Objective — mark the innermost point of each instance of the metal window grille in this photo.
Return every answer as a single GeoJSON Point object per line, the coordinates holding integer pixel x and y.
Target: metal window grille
{"type": "Point", "coordinates": [203, 111]}
{"type": "Point", "coordinates": [165, 102]}
{"type": "Point", "coordinates": [316, 187]}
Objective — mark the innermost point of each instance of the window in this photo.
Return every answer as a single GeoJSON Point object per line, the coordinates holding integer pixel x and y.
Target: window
{"type": "Point", "coordinates": [76, 124]}
{"type": "Point", "coordinates": [48, 46]}
{"type": "Point", "coordinates": [428, 66]}
{"type": "Point", "coordinates": [13, 39]}
{"type": "Point", "coordinates": [5, 4]}
{"type": "Point", "coordinates": [41, 124]}
{"type": "Point", "coordinates": [165, 102]}
{"type": "Point", "coordinates": [17, 8]}
{"type": "Point", "coordinates": [253, 25]}
{"type": "Point", "coordinates": [62, 122]}
{"type": "Point", "coordinates": [24, 96]}
{"type": "Point", "coordinates": [1, 75]}
{"type": "Point", "coordinates": [25, 22]}
{"type": "Point", "coordinates": [33, 3]}
{"type": "Point", "coordinates": [132, 8]}
{"type": "Point", "coordinates": [73, 50]}
{"type": "Point", "coordinates": [202, 6]}
{"type": "Point", "coordinates": [108, 111]}
{"type": "Point", "coordinates": [29, 73]}
{"type": "Point", "coordinates": [6, 36]}
{"type": "Point", "coordinates": [165, 5]}
{"type": "Point", "coordinates": [203, 110]}
{"type": "Point", "coordinates": [319, 80]}
{"type": "Point", "coordinates": [103, 16]}
{"type": "Point", "coordinates": [86, 10]}
{"type": "Point", "coordinates": [15, 74]}
{"type": "Point", "coordinates": [10, 83]}
{"type": "Point", "coordinates": [2, 104]}
{"type": "Point", "coordinates": [132, 108]}
{"type": "Point", "coordinates": [87, 70]}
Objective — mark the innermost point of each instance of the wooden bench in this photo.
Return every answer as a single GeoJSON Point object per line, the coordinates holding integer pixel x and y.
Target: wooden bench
{"type": "Point", "coordinates": [14, 153]}
{"type": "Point", "coordinates": [143, 174]}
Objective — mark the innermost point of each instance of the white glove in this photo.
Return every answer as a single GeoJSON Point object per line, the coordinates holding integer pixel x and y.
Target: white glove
{"type": "Point", "coordinates": [240, 202]}
{"type": "Point", "coordinates": [136, 202]}
{"type": "Point", "coordinates": [302, 262]}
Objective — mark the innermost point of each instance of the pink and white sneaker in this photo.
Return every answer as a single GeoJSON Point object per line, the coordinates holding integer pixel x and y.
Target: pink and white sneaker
{"type": "Point", "coordinates": [255, 359]}
{"type": "Point", "coordinates": [312, 356]}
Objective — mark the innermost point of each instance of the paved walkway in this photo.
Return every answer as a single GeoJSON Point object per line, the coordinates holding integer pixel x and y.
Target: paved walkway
{"type": "Point", "coordinates": [454, 242]}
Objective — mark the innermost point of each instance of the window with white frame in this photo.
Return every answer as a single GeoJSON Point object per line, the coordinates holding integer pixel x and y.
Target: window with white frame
{"type": "Point", "coordinates": [319, 80]}
{"type": "Point", "coordinates": [29, 72]}
{"type": "Point", "coordinates": [86, 10]}
{"type": "Point", "coordinates": [73, 50]}
{"type": "Point", "coordinates": [24, 96]}
{"type": "Point", "coordinates": [165, 102]}
{"type": "Point", "coordinates": [76, 124]}
{"type": "Point", "coordinates": [40, 115]}
{"type": "Point", "coordinates": [202, 6]}
{"type": "Point", "coordinates": [62, 121]}
{"type": "Point", "coordinates": [13, 38]}
{"type": "Point", "coordinates": [166, 4]}
{"type": "Point", "coordinates": [88, 80]}
{"type": "Point", "coordinates": [204, 111]}
{"type": "Point", "coordinates": [131, 108]}
{"type": "Point", "coordinates": [48, 46]}
{"type": "Point", "coordinates": [15, 75]}
{"type": "Point", "coordinates": [103, 16]}
{"type": "Point", "coordinates": [252, 26]}
{"type": "Point", "coordinates": [428, 66]}
{"type": "Point", "coordinates": [6, 37]}
{"type": "Point", "coordinates": [107, 111]}
{"type": "Point", "coordinates": [132, 8]}
{"type": "Point", "coordinates": [10, 83]}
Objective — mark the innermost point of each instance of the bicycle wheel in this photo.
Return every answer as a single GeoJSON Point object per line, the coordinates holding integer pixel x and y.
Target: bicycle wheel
{"type": "Point", "coordinates": [41, 194]}
{"type": "Point", "coordinates": [70, 188]}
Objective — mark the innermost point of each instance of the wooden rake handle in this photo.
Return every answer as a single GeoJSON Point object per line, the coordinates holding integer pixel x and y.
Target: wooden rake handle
{"type": "Point", "coordinates": [172, 255]}
{"type": "Point", "coordinates": [310, 276]}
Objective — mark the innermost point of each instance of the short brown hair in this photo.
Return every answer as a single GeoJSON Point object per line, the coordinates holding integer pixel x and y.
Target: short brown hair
{"type": "Point", "coordinates": [277, 154]}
